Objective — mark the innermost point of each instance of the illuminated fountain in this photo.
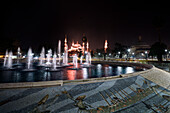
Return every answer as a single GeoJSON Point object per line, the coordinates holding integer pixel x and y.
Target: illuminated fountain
{"type": "Point", "coordinates": [29, 61]}
{"type": "Point", "coordinates": [49, 54]}
{"type": "Point", "coordinates": [5, 59]}
{"type": "Point", "coordinates": [54, 64]}
{"type": "Point", "coordinates": [75, 63]}
{"type": "Point", "coordinates": [65, 57]}
{"type": "Point", "coordinates": [42, 57]}
{"type": "Point", "coordinates": [18, 54]}
{"type": "Point", "coordinates": [81, 60]}
{"type": "Point", "coordinates": [54, 60]}
{"type": "Point", "coordinates": [9, 63]}
{"type": "Point", "coordinates": [29, 55]}
{"type": "Point", "coordinates": [59, 52]}
{"type": "Point", "coordinates": [47, 66]}
{"type": "Point", "coordinates": [88, 60]}
{"type": "Point", "coordinates": [75, 60]}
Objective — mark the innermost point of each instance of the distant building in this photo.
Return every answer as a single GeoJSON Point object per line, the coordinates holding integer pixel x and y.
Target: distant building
{"type": "Point", "coordinates": [140, 50]}
{"type": "Point", "coordinates": [75, 49]}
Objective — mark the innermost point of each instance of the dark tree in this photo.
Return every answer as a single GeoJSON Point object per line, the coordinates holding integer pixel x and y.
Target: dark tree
{"type": "Point", "coordinates": [158, 49]}
{"type": "Point", "coordinates": [120, 48]}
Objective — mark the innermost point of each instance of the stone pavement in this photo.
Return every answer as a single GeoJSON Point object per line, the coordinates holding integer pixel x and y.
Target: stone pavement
{"type": "Point", "coordinates": [139, 94]}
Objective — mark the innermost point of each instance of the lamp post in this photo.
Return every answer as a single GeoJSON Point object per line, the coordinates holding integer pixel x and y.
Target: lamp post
{"type": "Point", "coordinates": [119, 54]}
{"type": "Point", "coordinates": [146, 54]}
{"type": "Point", "coordinates": [128, 50]}
{"type": "Point", "coordinates": [166, 54]}
{"type": "Point", "coordinates": [133, 55]}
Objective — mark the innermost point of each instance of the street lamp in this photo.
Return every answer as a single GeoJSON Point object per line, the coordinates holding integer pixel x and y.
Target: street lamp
{"type": "Point", "coordinates": [128, 50]}
{"type": "Point", "coordinates": [119, 54]}
{"type": "Point", "coordinates": [146, 53]}
{"type": "Point", "coordinates": [166, 54]}
{"type": "Point", "coordinates": [128, 53]}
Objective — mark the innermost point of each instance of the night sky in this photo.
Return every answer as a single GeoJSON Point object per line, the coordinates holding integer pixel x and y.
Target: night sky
{"type": "Point", "coordinates": [45, 22]}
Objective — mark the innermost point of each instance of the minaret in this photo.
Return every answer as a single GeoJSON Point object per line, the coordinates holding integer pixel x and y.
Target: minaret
{"type": "Point", "coordinates": [84, 39]}
{"type": "Point", "coordinates": [105, 46]}
{"type": "Point", "coordinates": [65, 58]}
{"type": "Point", "coordinates": [83, 48]}
{"type": "Point", "coordinates": [65, 43]}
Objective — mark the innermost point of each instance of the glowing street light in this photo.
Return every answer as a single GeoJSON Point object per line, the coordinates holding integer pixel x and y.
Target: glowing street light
{"type": "Point", "coordinates": [146, 52]}
{"type": "Point", "coordinates": [166, 54]}
{"type": "Point", "coordinates": [128, 50]}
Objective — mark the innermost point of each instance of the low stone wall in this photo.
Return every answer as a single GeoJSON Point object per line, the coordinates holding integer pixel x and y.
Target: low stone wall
{"type": "Point", "coordinates": [147, 66]}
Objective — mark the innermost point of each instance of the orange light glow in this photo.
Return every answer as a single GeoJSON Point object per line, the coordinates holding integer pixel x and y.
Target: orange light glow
{"type": "Point", "coordinates": [71, 74]}
{"type": "Point", "coordinates": [105, 46]}
{"type": "Point", "coordinates": [65, 43]}
{"type": "Point", "coordinates": [1, 56]}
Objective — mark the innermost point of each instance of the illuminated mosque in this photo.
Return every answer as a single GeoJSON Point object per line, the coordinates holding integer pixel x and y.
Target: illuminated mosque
{"type": "Point", "coordinates": [78, 49]}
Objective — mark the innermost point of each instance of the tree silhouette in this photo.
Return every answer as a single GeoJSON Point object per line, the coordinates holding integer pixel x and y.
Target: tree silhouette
{"type": "Point", "coordinates": [158, 49]}
{"type": "Point", "coordinates": [120, 48]}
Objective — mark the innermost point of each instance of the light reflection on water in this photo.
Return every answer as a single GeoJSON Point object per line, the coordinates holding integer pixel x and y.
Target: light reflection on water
{"type": "Point", "coordinates": [129, 70]}
{"type": "Point", "coordinates": [85, 73]}
{"type": "Point", "coordinates": [66, 74]}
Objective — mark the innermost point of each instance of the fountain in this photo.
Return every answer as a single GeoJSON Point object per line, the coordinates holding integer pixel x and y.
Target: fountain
{"type": "Point", "coordinates": [81, 60]}
{"type": "Point", "coordinates": [54, 60]}
{"type": "Point", "coordinates": [54, 64]}
{"type": "Point", "coordinates": [75, 63]}
{"type": "Point", "coordinates": [88, 60]}
{"type": "Point", "coordinates": [29, 56]}
{"type": "Point", "coordinates": [18, 54]}
{"type": "Point", "coordinates": [5, 59]}
{"type": "Point", "coordinates": [59, 52]}
{"type": "Point", "coordinates": [65, 57]}
{"type": "Point", "coordinates": [49, 54]}
{"type": "Point", "coordinates": [42, 57]}
{"type": "Point", "coordinates": [29, 61]}
{"type": "Point", "coordinates": [9, 63]}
